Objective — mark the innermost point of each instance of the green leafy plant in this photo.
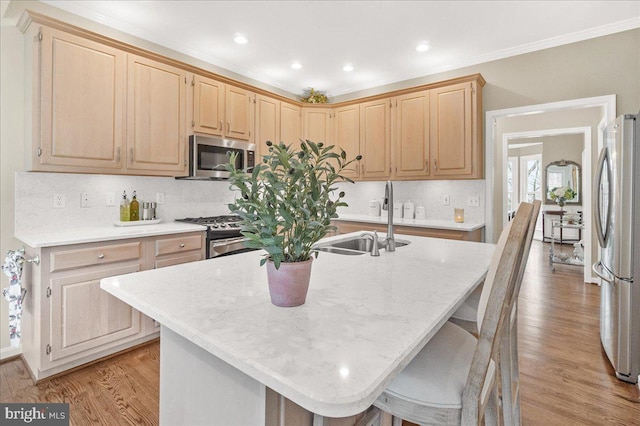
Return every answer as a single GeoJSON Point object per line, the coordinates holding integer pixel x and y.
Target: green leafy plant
{"type": "Point", "coordinates": [311, 96]}
{"type": "Point", "coordinates": [287, 202]}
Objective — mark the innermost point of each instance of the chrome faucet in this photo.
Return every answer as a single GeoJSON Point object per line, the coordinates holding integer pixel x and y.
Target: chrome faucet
{"type": "Point", "coordinates": [389, 242]}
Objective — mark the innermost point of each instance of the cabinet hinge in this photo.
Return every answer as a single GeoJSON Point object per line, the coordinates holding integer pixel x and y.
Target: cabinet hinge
{"type": "Point", "coordinates": [39, 152]}
{"type": "Point", "coordinates": [193, 81]}
{"type": "Point", "coordinates": [39, 36]}
{"type": "Point", "coordinates": [185, 79]}
{"type": "Point", "coordinates": [48, 291]}
{"type": "Point", "coordinates": [193, 123]}
{"type": "Point", "coordinates": [185, 163]}
{"type": "Point", "coordinates": [47, 349]}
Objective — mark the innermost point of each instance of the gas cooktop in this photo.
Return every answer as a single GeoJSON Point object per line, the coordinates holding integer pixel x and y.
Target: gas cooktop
{"type": "Point", "coordinates": [216, 223]}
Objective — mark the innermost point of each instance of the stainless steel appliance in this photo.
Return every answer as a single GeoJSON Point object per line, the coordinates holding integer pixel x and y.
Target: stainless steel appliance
{"type": "Point", "coordinates": [208, 156]}
{"type": "Point", "coordinates": [223, 234]}
{"type": "Point", "coordinates": [616, 204]}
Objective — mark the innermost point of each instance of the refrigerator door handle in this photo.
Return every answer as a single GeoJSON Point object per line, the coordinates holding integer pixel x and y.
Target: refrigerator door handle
{"type": "Point", "coordinates": [599, 270]}
{"type": "Point", "coordinates": [602, 234]}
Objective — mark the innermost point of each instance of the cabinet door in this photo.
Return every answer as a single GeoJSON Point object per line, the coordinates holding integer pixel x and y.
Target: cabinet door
{"type": "Point", "coordinates": [267, 122]}
{"type": "Point", "coordinates": [156, 114]}
{"type": "Point", "coordinates": [451, 130]}
{"type": "Point", "coordinates": [84, 317]}
{"type": "Point", "coordinates": [317, 125]}
{"type": "Point", "coordinates": [411, 148]}
{"type": "Point", "coordinates": [82, 103]}
{"type": "Point", "coordinates": [347, 135]}
{"type": "Point", "coordinates": [290, 124]}
{"type": "Point", "coordinates": [208, 106]}
{"type": "Point", "coordinates": [238, 113]}
{"type": "Point", "coordinates": [375, 139]}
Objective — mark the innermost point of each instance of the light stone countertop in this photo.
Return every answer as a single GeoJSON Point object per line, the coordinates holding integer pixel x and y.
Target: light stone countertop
{"type": "Point", "coordinates": [104, 233]}
{"type": "Point", "coordinates": [364, 319]}
{"type": "Point", "coordinates": [419, 223]}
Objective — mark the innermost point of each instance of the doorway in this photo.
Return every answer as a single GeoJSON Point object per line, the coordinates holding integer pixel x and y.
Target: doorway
{"type": "Point", "coordinates": [497, 156]}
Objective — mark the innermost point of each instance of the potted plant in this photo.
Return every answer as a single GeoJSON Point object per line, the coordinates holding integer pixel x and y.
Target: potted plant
{"type": "Point", "coordinates": [286, 205]}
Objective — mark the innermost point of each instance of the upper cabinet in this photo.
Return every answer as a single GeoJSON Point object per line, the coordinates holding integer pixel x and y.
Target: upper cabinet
{"type": "Point", "coordinates": [208, 105]}
{"type": "Point", "coordinates": [375, 139]}
{"type": "Point", "coordinates": [82, 105]}
{"type": "Point", "coordinates": [156, 115]}
{"type": "Point", "coordinates": [346, 135]}
{"type": "Point", "coordinates": [411, 142]}
{"type": "Point", "coordinates": [267, 122]}
{"type": "Point", "coordinates": [290, 123]}
{"type": "Point", "coordinates": [223, 110]}
{"type": "Point", "coordinates": [317, 124]}
{"type": "Point", "coordinates": [456, 131]}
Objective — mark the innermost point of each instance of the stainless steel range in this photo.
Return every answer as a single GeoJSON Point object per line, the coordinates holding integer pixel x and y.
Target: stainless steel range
{"type": "Point", "coordinates": [223, 234]}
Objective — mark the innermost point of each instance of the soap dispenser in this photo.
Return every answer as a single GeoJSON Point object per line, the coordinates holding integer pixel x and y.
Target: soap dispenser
{"type": "Point", "coordinates": [125, 208]}
{"type": "Point", "coordinates": [135, 208]}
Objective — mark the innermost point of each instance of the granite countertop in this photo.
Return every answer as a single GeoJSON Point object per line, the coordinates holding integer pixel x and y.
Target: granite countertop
{"type": "Point", "coordinates": [420, 223]}
{"type": "Point", "coordinates": [103, 233]}
{"type": "Point", "coordinates": [364, 319]}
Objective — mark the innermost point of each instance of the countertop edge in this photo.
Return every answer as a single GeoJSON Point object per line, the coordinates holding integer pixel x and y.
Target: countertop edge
{"type": "Point", "coordinates": [106, 233]}
{"type": "Point", "coordinates": [417, 223]}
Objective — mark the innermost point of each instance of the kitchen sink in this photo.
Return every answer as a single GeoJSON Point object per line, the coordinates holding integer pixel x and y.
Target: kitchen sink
{"type": "Point", "coordinates": [354, 245]}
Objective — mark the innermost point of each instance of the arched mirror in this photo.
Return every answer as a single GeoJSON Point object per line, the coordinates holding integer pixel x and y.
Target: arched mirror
{"type": "Point", "coordinates": [562, 176]}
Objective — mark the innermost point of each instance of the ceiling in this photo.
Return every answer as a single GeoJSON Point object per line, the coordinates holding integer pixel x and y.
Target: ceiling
{"type": "Point", "coordinates": [378, 38]}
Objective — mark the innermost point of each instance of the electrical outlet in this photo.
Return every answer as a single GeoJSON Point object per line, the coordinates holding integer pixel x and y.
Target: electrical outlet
{"type": "Point", "coordinates": [84, 200]}
{"type": "Point", "coordinates": [473, 201]}
{"type": "Point", "coordinates": [111, 199]}
{"type": "Point", "coordinates": [445, 200]}
{"type": "Point", "coordinates": [59, 201]}
{"type": "Point", "coordinates": [160, 197]}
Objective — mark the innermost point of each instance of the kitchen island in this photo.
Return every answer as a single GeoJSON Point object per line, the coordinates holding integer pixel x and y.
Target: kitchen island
{"type": "Point", "coordinates": [365, 318]}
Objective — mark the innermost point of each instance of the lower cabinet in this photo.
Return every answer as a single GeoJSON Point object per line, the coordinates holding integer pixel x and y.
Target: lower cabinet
{"type": "Point", "coordinates": [345, 227]}
{"type": "Point", "coordinates": [69, 321]}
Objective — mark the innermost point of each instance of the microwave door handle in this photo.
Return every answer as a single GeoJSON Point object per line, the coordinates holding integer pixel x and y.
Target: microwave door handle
{"type": "Point", "coordinates": [597, 204]}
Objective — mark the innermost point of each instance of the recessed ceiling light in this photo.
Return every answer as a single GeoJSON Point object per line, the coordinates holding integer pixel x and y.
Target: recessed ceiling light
{"type": "Point", "coordinates": [423, 47]}
{"type": "Point", "coordinates": [240, 39]}
{"type": "Point", "coordinates": [296, 65]}
{"type": "Point", "coordinates": [348, 68]}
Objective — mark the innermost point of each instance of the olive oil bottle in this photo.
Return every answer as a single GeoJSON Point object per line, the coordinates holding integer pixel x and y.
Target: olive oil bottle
{"type": "Point", "coordinates": [125, 208]}
{"type": "Point", "coordinates": [134, 208]}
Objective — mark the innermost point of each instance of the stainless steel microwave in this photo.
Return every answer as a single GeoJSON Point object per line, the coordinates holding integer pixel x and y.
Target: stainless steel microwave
{"type": "Point", "coordinates": [208, 156]}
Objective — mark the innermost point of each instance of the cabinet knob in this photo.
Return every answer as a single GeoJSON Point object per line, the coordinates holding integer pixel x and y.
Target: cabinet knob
{"type": "Point", "coordinates": [182, 245]}
{"type": "Point", "coordinates": [101, 256]}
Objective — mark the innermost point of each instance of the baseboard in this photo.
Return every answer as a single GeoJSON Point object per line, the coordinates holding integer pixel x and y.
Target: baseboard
{"type": "Point", "coordinates": [10, 352]}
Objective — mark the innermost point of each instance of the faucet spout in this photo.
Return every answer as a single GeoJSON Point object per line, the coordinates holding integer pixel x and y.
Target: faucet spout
{"type": "Point", "coordinates": [390, 242]}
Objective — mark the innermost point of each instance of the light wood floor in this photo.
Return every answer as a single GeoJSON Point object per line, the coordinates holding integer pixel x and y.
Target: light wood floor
{"type": "Point", "coordinates": [565, 376]}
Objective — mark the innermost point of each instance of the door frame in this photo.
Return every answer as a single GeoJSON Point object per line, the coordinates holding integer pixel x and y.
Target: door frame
{"type": "Point", "coordinates": [608, 105]}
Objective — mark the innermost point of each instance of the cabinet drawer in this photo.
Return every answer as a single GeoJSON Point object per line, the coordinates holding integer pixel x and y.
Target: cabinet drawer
{"type": "Point", "coordinates": [95, 256]}
{"type": "Point", "coordinates": [178, 244]}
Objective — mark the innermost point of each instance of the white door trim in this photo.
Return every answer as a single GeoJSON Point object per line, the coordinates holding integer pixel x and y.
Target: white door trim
{"type": "Point", "coordinates": [608, 103]}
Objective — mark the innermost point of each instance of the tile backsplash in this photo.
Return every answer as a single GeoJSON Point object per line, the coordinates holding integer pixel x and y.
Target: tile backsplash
{"type": "Point", "coordinates": [186, 198]}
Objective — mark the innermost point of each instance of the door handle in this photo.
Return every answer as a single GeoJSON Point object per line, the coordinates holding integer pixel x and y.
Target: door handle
{"type": "Point", "coordinates": [602, 233]}
{"type": "Point", "coordinates": [598, 269]}
{"type": "Point", "coordinates": [131, 156]}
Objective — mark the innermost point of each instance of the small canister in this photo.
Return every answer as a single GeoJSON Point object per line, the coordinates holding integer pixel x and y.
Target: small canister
{"type": "Point", "coordinates": [397, 210]}
{"type": "Point", "coordinates": [408, 210]}
{"type": "Point", "coordinates": [420, 213]}
{"type": "Point", "coordinates": [152, 210]}
{"type": "Point", "coordinates": [146, 212]}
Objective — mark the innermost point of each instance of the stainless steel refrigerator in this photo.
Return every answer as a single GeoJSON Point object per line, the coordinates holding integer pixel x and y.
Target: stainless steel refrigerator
{"type": "Point", "coordinates": [617, 221]}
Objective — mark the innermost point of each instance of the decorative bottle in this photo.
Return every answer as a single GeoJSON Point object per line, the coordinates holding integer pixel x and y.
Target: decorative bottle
{"type": "Point", "coordinates": [135, 208]}
{"type": "Point", "coordinates": [125, 207]}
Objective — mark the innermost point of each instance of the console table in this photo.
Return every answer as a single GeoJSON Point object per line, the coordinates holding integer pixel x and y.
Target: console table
{"type": "Point", "coordinates": [549, 216]}
{"type": "Point", "coordinates": [564, 258]}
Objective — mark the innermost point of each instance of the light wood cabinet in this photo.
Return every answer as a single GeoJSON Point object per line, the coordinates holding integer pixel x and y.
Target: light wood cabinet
{"type": "Point", "coordinates": [239, 113]}
{"type": "Point", "coordinates": [346, 135]}
{"type": "Point", "coordinates": [208, 106]}
{"type": "Point", "coordinates": [70, 321]}
{"type": "Point", "coordinates": [156, 116]}
{"type": "Point", "coordinates": [345, 227]}
{"type": "Point", "coordinates": [317, 125]}
{"type": "Point", "coordinates": [375, 139]}
{"type": "Point", "coordinates": [82, 99]}
{"type": "Point", "coordinates": [267, 123]}
{"type": "Point", "coordinates": [411, 139]}
{"type": "Point", "coordinates": [290, 124]}
{"type": "Point", "coordinates": [456, 132]}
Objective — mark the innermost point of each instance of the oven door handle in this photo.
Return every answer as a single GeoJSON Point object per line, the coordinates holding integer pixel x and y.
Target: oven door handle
{"type": "Point", "coordinates": [228, 241]}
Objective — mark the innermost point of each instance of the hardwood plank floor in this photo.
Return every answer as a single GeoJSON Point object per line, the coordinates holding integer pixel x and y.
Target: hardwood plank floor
{"type": "Point", "coordinates": [566, 378]}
